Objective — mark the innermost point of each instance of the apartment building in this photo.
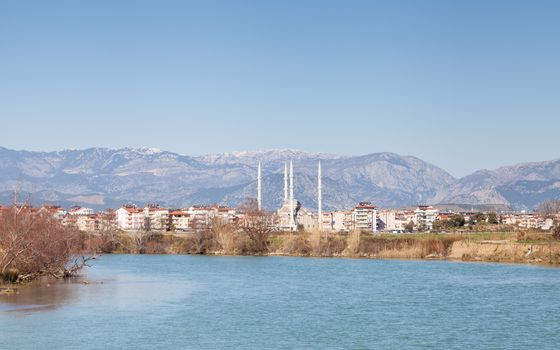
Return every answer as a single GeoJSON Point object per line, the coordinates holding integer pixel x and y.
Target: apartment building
{"type": "Point", "coordinates": [130, 218]}
{"type": "Point", "coordinates": [425, 215]}
{"type": "Point", "coordinates": [393, 220]}
{"type": "Point", "coordinates": [342, 221]}
{"type": "Point", "coordinates": [156, 218]}
{"type": "Point", "coordinates": [528, 220]}
{"type": "Point", "coordinates": [365, 217]}
{"type": "Point", "coordinates": [179, 220]}
{"type": "Point", "coordinates": [87, 223]}
{"type": "Point", "coordinates": [326, 221]}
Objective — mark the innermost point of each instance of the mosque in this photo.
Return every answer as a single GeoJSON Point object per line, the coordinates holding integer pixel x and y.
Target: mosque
{"type": "Point", "coordinates": [292, 214]}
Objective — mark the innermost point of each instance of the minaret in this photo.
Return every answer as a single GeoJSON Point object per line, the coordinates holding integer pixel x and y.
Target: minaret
{"type": "Point", "coordinates": [285, 182]}
{"type": "Point", "coordinates": [259, 187]}
{"type": "Point", "coordinates": [292, 222]}
{"type": "Point", "coordinates": [320, 195]}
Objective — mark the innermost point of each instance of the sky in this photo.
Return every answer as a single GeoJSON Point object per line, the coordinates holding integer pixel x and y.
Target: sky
{"type": "Point", "coordinates": [464, 85]}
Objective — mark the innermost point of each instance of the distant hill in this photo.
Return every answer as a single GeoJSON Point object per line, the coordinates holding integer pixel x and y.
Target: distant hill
{"type": "Point", "coordinates": [521, 186]}
{"type": "Point", "coordinates": [100, 178]}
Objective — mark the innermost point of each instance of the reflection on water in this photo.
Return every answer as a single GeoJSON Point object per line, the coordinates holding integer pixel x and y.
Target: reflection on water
{"type": "Point", "coordinates": [116, 290]}
{"type": "Point", "coordinates": [43, 295]}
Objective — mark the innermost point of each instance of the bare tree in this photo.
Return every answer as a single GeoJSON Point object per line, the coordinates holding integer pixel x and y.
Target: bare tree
{"type": "Point", "coordinates": [550, 208]}
{"type": "Point", "coordinates": [34, 244]}
{"type": "Point", "coordinates": [109, 235]}
{"type": "Point", "coordinates": [556, 233]}
{"type": "Point", "coordinates": [257, 224]}
{"type": "Point", "coordinates": [140, 239]}
{"type": "Point", "coordinates": [225, 235]}
{"type": "Point", "coordinates": [202, 236]}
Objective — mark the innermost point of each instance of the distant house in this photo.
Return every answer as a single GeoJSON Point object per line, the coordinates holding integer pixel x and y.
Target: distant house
{"type": "Point", "coordinates": [56, 211]}
{"type": "Point", "coordinates": [80, 211]}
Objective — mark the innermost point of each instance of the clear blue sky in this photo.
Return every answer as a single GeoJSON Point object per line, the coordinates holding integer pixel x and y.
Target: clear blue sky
{"type": "Point", "coordinates": [462, 84]}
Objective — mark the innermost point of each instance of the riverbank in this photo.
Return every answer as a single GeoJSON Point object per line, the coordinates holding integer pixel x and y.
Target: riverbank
{"type": "Point", "coordinates": [506, 247]}
{"type": "Point", "coordinates": [501, 247]}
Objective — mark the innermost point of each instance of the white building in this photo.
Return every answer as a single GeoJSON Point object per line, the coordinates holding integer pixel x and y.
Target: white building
{"type": "Point", "coordinates": [365, 217]}
{"type": "Point", "coordinates": [425, 216]}
{"type": "Point", "coordinates": [304, 218]}
{"type": "Point", "coordinates": [156, 218]}
{"type": "Point", "coordinates": [342, 221]}
{"type": "Point", "coordinates": [180, 220]}
{"type": "Point", "coordinates": [80, 211]}
{"type": "Point", "coordinates": [87, 223]}
{"type": "Point", "coordinates": [392, 220]}
{"type": "Point", "coordinates": [201, 216]}
{"type": "Point", "coordinates": [528, 220]}
{"type": "Point", "coordinates": [228, 215]}
{"type": "Point", "coordinates": [130, 218]}
{"type": "Point", "coordinates": [57, 212]}
{"type": "Point", "coordinates": [326, 221]}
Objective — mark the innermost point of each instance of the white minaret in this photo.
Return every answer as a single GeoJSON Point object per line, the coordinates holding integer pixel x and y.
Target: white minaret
{"type": "Point", "coordinates": [259, 187]}
{"type": "Point", "coordinates": [292, 223]}
{"type": "Point", "coordinates": [285, 182]}
{"type": "Point", "coordinates": [319, 195]}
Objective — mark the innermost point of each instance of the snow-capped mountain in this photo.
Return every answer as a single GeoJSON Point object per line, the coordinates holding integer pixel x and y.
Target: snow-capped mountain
{"type": "Point", "coordinates": [101, 177]}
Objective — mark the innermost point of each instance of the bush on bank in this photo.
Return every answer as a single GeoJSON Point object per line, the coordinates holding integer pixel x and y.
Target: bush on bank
{"type": "Point", "coordinates": [33, 244]}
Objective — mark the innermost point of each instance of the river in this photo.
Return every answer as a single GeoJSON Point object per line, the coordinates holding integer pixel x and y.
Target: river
{"type": "Point", "coordinates": [206, 302]}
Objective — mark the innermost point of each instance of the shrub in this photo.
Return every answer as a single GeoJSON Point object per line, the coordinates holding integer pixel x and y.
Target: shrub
{"type": "Point", "coordinates": [556, 232]}
{"type": "Point", "coordinates": [9, 276]}
{"type": "Point", "coordinates": [34, 244]}
{"type": "Point", "coordinates": [295, 244]}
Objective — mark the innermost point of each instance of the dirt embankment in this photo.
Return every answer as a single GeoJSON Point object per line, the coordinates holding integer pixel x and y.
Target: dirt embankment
{"type": "Point", "coordinates": [505, 251]}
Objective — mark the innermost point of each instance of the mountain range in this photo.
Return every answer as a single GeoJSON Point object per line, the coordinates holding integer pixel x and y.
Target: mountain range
{"type": "Point", "coordinates": [102, 178]}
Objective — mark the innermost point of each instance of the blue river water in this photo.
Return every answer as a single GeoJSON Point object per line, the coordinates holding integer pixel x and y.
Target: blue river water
{"type": "Point", "coordinates": [201, 302]}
